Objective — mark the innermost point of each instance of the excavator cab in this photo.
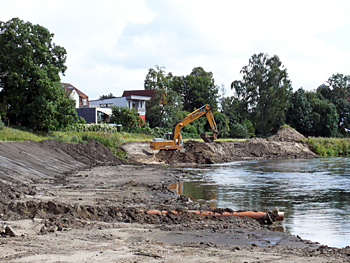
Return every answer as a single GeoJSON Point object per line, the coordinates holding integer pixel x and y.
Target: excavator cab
{"type": "Point", "coordinates": [168, 136]}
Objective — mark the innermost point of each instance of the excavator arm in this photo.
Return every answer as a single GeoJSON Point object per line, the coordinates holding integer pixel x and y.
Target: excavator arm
{"type": "Point", "coordinates": [204, 110]}
{"type": "Point", "coordinates": [175, 140]}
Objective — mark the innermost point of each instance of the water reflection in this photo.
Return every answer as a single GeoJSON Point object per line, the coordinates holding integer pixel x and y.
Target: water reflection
{"type": "Point", "coordinates": [313, 193]}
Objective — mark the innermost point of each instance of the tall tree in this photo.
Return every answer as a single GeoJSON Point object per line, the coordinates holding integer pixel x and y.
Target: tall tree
{"type": "Point", "coordinates": [338, 93]}
{"type": "Point", "coordinates": [164, 109]}
{"type": "Point", "coordinates": [30, 65]}
{"type": "Point", "coordinates": [324, 114]}
{"type": "Point", "coordinates": [264, 91]}
{"type": "Point", "coordinates": [233, 108]}
{"type": "Point", "coordinates": [157, 78]}
{"type": "Point", "coordinates": [299, 114]}
{"type": "Point", "coordinates": [197, 89]}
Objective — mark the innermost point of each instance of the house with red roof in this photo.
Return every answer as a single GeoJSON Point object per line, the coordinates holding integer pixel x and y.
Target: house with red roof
{"type": "Point", "coordinates": [81, 99]}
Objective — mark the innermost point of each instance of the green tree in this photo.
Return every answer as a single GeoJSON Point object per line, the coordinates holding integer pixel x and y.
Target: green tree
{"type": "Point", "coordinates": [30, 87]}
{"type": "Point", "coordinates": [233, 108]}
{"type": "Point", "coordinates": [299, 114]}
{"type": "Point", "coordinates": [238, 130]}
{"type": "Point", "coordinates": [164, 109]}
{"type": "Point", "coordinates": [324, 114]}
{"type": "Point", "coordinates": [264, 91]}
{"type": "Point", "coordinates": [157, 78]}
{"type": "Point", "coordinates": [338, 93]}
{"type": "Point", "coordinates": [165, 106]}
{"type": "Point", "coordinates": [108, 96]}
{"type": "Point", "coordinates": [197, 89]}
{"type": "Point", "coordinates": [128, 118]}
{"type": "Point", "coordinates": [223, 124]}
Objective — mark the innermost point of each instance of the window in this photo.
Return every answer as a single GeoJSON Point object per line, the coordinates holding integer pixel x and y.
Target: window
{"type": "Point", "coordinates": [108, 105]}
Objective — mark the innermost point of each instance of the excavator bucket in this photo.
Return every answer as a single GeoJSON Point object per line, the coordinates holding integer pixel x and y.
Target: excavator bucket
{"type": "Point", "coordinates": [207, 138]}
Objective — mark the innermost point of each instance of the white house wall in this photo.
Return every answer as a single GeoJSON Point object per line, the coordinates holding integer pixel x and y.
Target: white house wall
{"type": "Point", "coordinates": [75, 96]}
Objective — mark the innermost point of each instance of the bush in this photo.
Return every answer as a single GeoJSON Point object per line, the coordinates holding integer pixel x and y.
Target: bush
{"type": "Point", "coordinates": [75, 139]}
{"type": "Point", "coordinates": [2, 124]}
{"type": "Point", "coordinates": [81, 120]}
{"type": "Point", "coordinates": [92, 127]}
{"type": "Point", "coordinates": [249, 126]}
{"type": "Point", "coordinates": [238, 130]}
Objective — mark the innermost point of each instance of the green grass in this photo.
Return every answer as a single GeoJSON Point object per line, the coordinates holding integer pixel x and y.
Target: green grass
{"type": "Point", "coordinates": [14, 135]}
{"type": "Point", "coordinates": [330, 147]}
{"type": "Point", "coordinates": [112, 140]}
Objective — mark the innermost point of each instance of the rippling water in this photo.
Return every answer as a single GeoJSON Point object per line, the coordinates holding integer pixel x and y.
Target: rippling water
{"type": "Point", "coordinates": [313, 193]}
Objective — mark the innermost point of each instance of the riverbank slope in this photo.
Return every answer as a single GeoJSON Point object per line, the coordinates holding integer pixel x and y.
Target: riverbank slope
{"type": "Point", "coordinates": [79, 203]}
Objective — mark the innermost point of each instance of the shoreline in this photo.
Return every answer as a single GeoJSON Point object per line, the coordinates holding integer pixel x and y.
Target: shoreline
{"type": "Point", "coordinates": [74, 208]}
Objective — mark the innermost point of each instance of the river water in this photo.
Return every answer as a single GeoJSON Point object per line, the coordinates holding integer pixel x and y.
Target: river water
{"type": "Point", "coordinates": [313, 193]}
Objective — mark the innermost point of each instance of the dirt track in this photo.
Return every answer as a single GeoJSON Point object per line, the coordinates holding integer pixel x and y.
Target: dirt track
{"type": "Point", "coordinates": [79, 203]}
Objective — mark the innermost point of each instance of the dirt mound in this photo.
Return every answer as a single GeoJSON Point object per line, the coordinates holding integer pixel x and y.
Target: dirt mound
{"type": "Point", "coordinates": [221, 152]}
{"type": "Point", "coordinates": [287, 134]}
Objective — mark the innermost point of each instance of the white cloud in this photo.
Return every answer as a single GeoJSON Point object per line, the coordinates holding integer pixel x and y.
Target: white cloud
{"type": "Point", "coordinates": [112, 44]}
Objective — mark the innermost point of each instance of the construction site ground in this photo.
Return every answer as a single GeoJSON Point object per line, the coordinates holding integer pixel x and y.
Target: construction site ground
{"type": "Point", "coordinates": [62, 202]}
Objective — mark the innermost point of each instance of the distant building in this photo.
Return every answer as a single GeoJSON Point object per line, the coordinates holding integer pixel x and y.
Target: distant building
{"type": "Point", "coordinates": [91, 114]}
{"type": "Point", "coordinates": [131, 98]}
{"type": "Point", "coordinates": [80, 98]}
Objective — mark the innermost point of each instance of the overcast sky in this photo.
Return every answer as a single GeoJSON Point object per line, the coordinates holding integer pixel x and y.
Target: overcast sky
{"type": "Point", "coordinates": [112, 44]}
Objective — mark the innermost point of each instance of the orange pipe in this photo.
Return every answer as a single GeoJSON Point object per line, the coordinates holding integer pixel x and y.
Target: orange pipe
{"type": "Point", "coordinates": [254, 215]}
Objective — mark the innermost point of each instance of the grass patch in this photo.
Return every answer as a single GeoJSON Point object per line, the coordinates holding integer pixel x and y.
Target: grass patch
{"type": "Point", "coordinates": [112, 140]}
{"type": "Point", "coordinates": [15, 135]}
{"type": "Point", "coordinates": [330, 147]}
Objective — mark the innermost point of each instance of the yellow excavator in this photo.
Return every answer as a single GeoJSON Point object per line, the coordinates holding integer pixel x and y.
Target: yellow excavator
{"type": "Point", "coordinates": [173, 140]}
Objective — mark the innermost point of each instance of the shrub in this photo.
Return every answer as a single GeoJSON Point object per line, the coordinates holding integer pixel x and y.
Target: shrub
{"type": "Point", "coordinates": [75, 139]}
{"type": "Point", "coordinates": [238, 130]}
{"type": "Point", "coordinates": [2, 124]}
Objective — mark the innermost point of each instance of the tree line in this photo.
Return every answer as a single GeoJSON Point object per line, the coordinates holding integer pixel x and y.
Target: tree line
{"type": "Point", "coordinates": [263, 101]}
{"type": "Point", "coordinates": [31, 94]}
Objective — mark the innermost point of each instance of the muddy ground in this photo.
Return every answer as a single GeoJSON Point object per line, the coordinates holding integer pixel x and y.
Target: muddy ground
{"type": "Point", "coordinates": [64, 202]}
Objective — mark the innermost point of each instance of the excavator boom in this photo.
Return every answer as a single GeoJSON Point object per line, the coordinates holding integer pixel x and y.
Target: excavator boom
{"type": "Point", "coordinates": [173, 140]}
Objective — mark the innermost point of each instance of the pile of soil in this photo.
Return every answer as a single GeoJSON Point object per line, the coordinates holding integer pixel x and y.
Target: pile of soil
{"type": "Point", "coordinates": [287, 143]}
{"type": "Point", "coordinates": [287, 134]}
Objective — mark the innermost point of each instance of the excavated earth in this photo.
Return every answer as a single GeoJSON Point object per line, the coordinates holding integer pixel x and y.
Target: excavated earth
{"type": "Point", "coordinates": [62, 202]}
{"type": "Point", "coordinates": [287, 143]}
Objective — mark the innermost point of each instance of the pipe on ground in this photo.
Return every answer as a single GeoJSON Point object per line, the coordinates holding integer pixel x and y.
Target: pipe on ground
{"type": "Point", "coordinates": [254, 215]}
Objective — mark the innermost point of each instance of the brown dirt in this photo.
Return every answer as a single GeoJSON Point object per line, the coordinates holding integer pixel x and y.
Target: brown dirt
{"type": "Point", "coordinates": [79, 203]}
{"type": "Point", "coordinates": [287, 143]}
